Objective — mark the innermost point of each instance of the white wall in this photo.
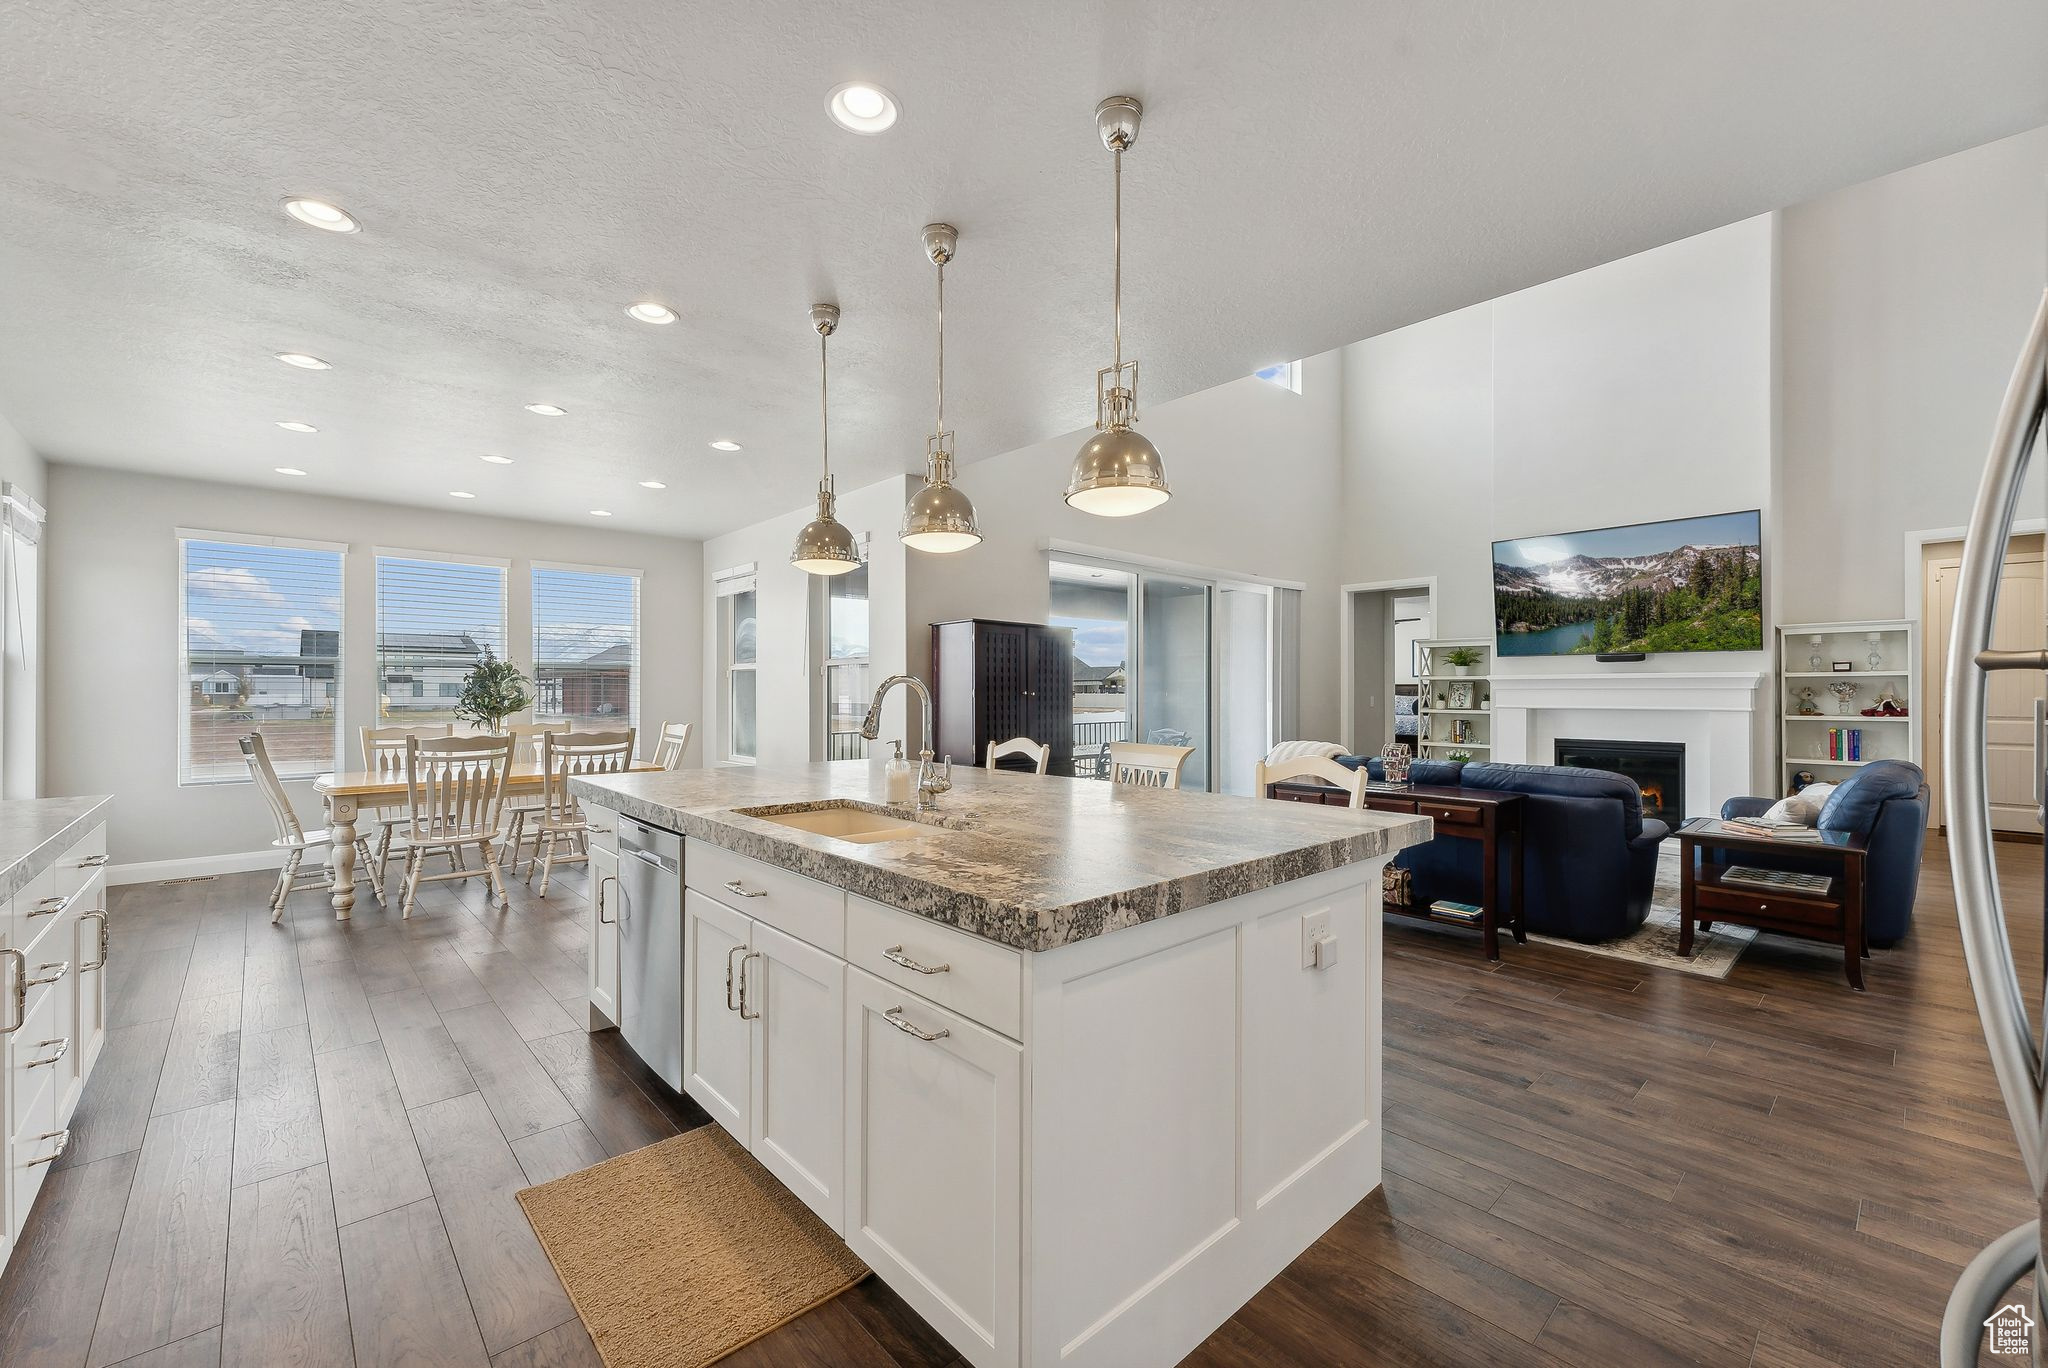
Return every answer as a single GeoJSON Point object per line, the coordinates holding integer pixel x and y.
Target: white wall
{"type": "Point", "coordinates": [1903, 303]}
{"type": "Point", "coordinates": [1635, 391]}
{"type": "Point", "coordinates": [112, 634]}
{"type": "Point", "coordinates": [786, 600]}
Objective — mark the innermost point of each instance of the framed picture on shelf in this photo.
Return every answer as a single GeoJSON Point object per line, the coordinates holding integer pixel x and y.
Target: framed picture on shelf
{"type": "Point", "coordinates": [1842, 666]}
{"type": "Point", "coordinates": [1461, 697]}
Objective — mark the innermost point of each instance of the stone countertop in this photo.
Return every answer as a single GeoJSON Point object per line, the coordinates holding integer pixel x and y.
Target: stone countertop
{"type": "Point", "coordinates": [1030, 862]}
{"type": "Point", "coordinates": [34, 831]}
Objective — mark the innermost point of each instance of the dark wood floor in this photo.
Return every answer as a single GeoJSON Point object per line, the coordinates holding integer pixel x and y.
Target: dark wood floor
{"type": "Point", "coordinates": [302, 1144]}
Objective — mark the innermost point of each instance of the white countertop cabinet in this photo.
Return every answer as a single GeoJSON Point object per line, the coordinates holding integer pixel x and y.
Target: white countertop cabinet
{"type": "Point", "coordinates": [1089, 1155]}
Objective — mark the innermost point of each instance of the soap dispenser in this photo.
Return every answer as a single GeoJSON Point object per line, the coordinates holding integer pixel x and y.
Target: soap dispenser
{"type": "Point", "coordinates": [897, 776]}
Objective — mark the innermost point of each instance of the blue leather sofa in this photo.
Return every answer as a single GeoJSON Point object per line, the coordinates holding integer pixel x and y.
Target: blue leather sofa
{"type": "Point", "coordinates": [1886, 804]}
{"type": "Point", "coordinates": [1589, 857]}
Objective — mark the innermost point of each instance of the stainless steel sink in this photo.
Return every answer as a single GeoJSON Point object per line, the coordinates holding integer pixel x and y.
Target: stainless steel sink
{"type": "Point", "coordinates": [843, 821]}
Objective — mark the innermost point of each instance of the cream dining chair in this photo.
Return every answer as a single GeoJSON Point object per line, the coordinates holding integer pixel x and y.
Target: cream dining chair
{"type": "Point", "coordinates": [1317, 767]}
{"type": "Point", "coordinates": [455, 788]}
{"type": "Point", "coordinates": [1039, 756]}
{"type": "Point", "coordinates": [528, 738]}
{"type": "Point", "coordinates": [384, 756]}
{"type": "Point", "coordinates": [1144, 765]}
{"type": "Point", "coordinates": [292, 838]}
{"type": "Point", "coordinates": [673, 744]}
{"type": "Point", "coordinates": [560, 818]}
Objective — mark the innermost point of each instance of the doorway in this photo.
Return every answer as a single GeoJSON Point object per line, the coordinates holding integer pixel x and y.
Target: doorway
{"type": "Point", "coordinates": [1381, 624]}
{"type": "Point", "coordinates": [2012, 696]}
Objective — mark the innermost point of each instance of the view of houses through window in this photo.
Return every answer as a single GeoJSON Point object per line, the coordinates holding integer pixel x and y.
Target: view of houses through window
{"type": "Point", "coordinates": [435, 620]}
{"type": "Point", "coordinates": [586, 646]}
{"type": "Point", "coordinates": [261, 632]}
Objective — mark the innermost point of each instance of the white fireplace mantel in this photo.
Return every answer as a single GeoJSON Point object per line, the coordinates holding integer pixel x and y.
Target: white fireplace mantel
{"type": "Point", "coordinates": [1713, 713]}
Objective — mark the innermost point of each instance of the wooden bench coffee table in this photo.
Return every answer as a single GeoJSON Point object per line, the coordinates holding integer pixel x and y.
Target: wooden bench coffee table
{"type": "Point", "coordinates": [1834, 915]}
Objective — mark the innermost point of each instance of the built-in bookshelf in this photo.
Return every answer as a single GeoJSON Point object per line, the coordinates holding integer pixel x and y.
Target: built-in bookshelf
{"type": "Point", "coordinates": [1455, 704]}
{"type": "Point", "coordinates": [1878, 661]}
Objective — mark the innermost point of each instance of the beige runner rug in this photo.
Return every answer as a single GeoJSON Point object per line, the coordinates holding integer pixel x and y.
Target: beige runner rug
{"type": "Point", "coordinates": [677, 1254]}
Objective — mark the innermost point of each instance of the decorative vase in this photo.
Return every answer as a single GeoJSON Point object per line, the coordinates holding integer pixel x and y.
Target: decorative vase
{"type": "Point", "coordinates": [1843, 691]}
{"type": "Point", "coordinates": [1876, 657]}
{"type": "Point", "coordinates": [1816, 661]}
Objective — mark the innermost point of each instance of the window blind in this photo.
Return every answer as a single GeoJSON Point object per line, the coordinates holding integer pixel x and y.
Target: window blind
{"type": "Point", "coordinates": [435, 621]}
{"type": "Point", "coordinates": [260, 633]}
{"type": "Point", "coordinates": [586, 646]}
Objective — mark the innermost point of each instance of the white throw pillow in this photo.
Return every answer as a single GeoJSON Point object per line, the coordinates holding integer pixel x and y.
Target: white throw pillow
{"type": "Point", "coordinates": [1802, 807]}
{"type": "Point", "coordinates": [1294, 750]}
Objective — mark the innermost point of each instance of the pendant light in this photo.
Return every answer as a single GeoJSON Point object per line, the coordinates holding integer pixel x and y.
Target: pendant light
{"type": "Point", "coordinates": [940, 517]}
{"type": "Point", "coordinates": [1118, 472]}
{"type": "Point", "coordinates": [824, 547]}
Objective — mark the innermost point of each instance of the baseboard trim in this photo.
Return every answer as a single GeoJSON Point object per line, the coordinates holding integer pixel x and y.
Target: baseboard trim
{"type": "Point", "coordinates": [197, 867]}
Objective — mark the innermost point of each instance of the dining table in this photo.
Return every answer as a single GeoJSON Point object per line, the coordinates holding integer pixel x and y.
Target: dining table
{"type": "Point", "coordinates": [347, 793]}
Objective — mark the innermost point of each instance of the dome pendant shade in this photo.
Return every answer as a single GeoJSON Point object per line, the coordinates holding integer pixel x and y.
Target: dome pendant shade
{"type": "Point", "coordinates": [939, 519]}
{"type": "Point", "coordinates": [1117, 472]}
{"type": "Point", "coordinates": [825, 547]}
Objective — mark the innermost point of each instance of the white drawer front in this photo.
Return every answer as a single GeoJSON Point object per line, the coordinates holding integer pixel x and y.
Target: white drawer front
{"type": "Point", "coordinates": [977, 978]}
{"type": "Point", "coordinates": [76, 866]}
{"type": "Point", "coordinates": [604, 828]}
{"type": "Point", "coordinates": [17, 927]}
{"type": "Point", "coordinates": [813, 912]}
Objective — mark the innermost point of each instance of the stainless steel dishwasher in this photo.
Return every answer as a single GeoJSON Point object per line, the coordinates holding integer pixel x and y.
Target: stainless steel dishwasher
{"type": "Point", "coordinates": [651, 947]}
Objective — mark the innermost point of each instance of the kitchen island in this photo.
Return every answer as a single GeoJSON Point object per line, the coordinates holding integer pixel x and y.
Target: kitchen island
{"type": "Point", "coordinates": [1075, 1067]}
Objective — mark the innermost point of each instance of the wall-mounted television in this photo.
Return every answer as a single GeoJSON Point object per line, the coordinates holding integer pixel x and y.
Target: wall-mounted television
{"type": "Point", "coordinates": [1688, 584]}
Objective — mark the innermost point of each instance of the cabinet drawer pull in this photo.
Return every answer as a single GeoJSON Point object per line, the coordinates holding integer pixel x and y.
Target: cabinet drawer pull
{"type": "Point", "coordinates": [106, 938]}
{"type": "Point", "coordinates": [596, 830]}
{"type": "Point", "coordinates": [63, 1139]}
{"type": "Point", "coordinates": [894, 954]}
{"type": "Point", "coordinates": [62, 967]}
{"type": "Point", "coordinates": [746, 1015]}
{"type": "Point", "coordinates": [730, 1005]}
{"type": "Point", "coordinates": [20, 993]}
{"type": "Point", "coordinates": [49, 907]}
{"type": "Point", "coordinates": [894, 1016]}
{"type": "Point", "coordinates": [602, 881]}
{"type": "Point", "coordinates": [92, 862]}
{"type": "Point", "coordinates": [737, 887]}
{"type": "Point", "coordinates": [63, 1044]}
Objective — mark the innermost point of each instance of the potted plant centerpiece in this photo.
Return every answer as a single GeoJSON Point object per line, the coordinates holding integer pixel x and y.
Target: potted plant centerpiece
{"type": "Point", "coordinates": [492, 692]}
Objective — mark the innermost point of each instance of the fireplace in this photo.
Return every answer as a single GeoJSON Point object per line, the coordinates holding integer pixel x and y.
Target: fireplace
{"type": "Point", "coordinates": [1658, 767]}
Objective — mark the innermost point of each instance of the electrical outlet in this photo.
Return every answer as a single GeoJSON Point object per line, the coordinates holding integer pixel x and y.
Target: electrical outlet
{"type": "Point", "coordinates": [1315, 926]}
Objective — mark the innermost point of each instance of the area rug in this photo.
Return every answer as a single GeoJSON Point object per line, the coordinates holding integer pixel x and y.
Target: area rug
{"type": "Point", "coordinates": [1656, 941]}
{"type": "Point", "coordinates": [677, 1254]}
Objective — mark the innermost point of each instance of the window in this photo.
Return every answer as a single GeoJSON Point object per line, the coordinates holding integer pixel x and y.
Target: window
{"type": "Point", "coordinates": [846, 662]}
{"type": "Point", "coordinates": [261, 639]}
{"type": "Point", "coordinates": [1287, 375]}
{"type": "Point", "coordinates": [737, 660]}
{"type": "Point", "coordinates": [436, 616]}
{"type": "Point", "coordinates": [586, 645]}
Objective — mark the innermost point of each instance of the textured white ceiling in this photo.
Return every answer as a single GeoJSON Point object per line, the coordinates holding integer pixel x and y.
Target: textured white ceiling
{"type": "Point", "coordinates": [1309, 174]}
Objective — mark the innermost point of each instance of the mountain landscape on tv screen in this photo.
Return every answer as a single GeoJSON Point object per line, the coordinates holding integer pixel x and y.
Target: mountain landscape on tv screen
{"type": "Point", "coordinates": [1690, 598]}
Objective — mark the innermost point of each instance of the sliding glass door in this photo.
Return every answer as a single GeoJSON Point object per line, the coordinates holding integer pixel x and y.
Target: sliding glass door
{"type": "Point", "coordinates": [1173, 668]}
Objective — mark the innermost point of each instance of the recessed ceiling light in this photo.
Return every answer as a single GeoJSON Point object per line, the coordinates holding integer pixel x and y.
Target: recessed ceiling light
{"type": "Point", "coordinates": [298, 427]}
{"type": "Point", "coordinates": [303, 361]}
{"type": "Point", "coordinates": [648, 311]}
{"type": "Point", "coordinates": [723, 445]}
{"type": "Point", "coordinates": [460, 494]}
{"type": "Point", "coordinates": [859, 107]}
{"type": "Point", "coordinates": [289, 470]}
{"type": "Point", "coordinates": [496, 460]}
{"type": "Point", "coordinates": [320, 214]}
{"type": "Point", "coordinates": [546, 410]}
{"type": "Point", "coordinates": [652, 484]}
{"type": "Point", "coordinates": [600, 512]}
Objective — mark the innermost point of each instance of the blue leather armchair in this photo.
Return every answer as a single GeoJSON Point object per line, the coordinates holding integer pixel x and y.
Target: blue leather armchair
{"type": "Point", "coordinates": [1886, 804]}
{"type": "Point", "coordinates": [1589, 857]}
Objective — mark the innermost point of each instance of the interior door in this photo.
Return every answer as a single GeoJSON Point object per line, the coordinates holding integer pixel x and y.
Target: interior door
{"type": "Point", "coordinates": [2020, 624]}
{"type": "Point", "coordinates": [717, 1045]}
{"type": "Point", "coordinates": [797, 996]}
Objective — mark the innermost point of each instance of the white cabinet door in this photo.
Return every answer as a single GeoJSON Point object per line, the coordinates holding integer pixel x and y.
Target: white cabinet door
{"type": "Point", "coordinates": [717, 1042]}
{"type": "Point", "coordinates": [602, 972]}
{"type": "Point", "coordinates": [796, 995]}
{"type": "Point", "coordinates": [934, 1187]}
{"type": "Point", "coordinates": [94, 944]}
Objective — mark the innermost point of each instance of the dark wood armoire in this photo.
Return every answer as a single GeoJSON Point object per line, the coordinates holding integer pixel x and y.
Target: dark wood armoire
{"type": "Point", "coordinates": [992, 681]}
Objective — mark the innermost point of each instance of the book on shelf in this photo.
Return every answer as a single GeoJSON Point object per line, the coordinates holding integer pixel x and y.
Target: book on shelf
{"type": "Point", "coordinates": [1461, 912]}
{"type": "Point", "coordinates": [1782, 880]}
